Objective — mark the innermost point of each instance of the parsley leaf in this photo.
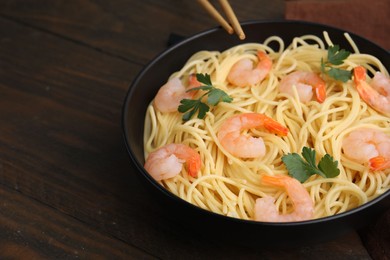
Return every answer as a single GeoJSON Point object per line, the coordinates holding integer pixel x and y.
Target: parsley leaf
{"type": "Point", "coordinates": [214, 95]}
{"type": "Point", "coordinates": [191, 106]}
{"type": "Point", "coordinates": [309, 155]}
{"type": "Point", "coordinates": [204, 78]}
{"type": "Point", "coordinates": [329, 166]}
{"type": "Point", "coordinates": [296, 167]}
{"type": "Point", "coordinates": [336, 57]}
{"type": "Point", "coordinates": [217, 95]}
{"type": "Point", "coordinates": [340, 74]}
{"type": "Point", "coordinates": [302, 168]}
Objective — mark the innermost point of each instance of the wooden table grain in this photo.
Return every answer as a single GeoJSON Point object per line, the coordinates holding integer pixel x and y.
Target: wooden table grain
{"type": "Point", "coordinates": [68, 189]}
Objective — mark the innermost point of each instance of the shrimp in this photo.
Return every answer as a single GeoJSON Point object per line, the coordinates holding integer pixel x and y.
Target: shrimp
{"type": "Point", "coordinates": [265, 210]}
{"type": "Point", "coordinates": [166, 162]}
{"type": "Point", "coordinates": [377, 93]}
{"type": "Point", "coordinates": [305, 82]}
{"type": "Point", "coordinates": [243, 74]}
{"type": "Point", "coordinates": [368, 145]}
{"type": "Point", "coordinates": [243, 145]}
{"type": "Point", "coordinates": [169, 95]}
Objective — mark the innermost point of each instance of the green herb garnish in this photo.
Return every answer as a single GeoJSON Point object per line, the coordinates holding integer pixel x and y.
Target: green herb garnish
{"type": "Point", "coordinates": [336, 57]}
{"type": "Point", "coordinates": [302, 168]}
{"type": "Point", "coordinates": [214, 96]}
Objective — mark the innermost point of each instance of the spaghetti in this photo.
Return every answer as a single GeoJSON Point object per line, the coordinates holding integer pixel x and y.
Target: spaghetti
{"type": "Point", "coordinates": [230, 185]}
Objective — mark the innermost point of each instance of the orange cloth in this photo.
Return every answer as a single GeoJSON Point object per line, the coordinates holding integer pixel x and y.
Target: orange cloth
{"type": "Point", "coordinates": [367, 18]}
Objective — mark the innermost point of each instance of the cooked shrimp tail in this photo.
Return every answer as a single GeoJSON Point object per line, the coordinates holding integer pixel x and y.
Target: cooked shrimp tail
{"type": "Point", "coordinates": [376, 95]}
{"type": "Point", "coordinates": [320, 92]}
{"type": "Point", "coordinates": [193, 82]}
{"type": "Point", "coordinates": [246, 146]}
{"type": "Point", "coordinates": [265, 210]}
{"type": "Point", "coordinates": [166, 162]}
{"type": "Point", "coordinates": [379, 163]}
{"type": "Point", "coordinates": [274, 126]}
{"type": "Point", "coordinates": [279, 181]}
{"type": "Point", "coordinates": [359, 74]}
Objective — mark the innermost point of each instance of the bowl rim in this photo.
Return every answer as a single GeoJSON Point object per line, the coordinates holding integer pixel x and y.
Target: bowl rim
{"type": "Point", "coordinates": [170, 195]}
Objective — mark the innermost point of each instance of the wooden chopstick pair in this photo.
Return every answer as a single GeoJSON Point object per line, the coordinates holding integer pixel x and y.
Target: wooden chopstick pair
{"type": "Point", "coordinates": [230, 15]}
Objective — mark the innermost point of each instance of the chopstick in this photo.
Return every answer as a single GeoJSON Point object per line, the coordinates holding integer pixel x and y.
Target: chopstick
{"type": "Point", "coordinates": [214, 13]}
{"type": "Point", "coordinates": [230, 15]}
{"type": "Point", "coordinates": [232, 18]}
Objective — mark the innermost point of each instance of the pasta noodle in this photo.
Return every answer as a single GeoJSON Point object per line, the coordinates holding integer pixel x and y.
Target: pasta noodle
{"type": "Point", "coordinates": [230, 185]}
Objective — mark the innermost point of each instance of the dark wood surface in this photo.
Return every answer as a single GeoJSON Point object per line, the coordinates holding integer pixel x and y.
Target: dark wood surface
{"type": "Point", "coordinates": [67, 187]}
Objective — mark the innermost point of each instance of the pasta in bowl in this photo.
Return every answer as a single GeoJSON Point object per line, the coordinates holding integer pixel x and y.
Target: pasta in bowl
{"type": "Point", "coordinates": [262, 132]}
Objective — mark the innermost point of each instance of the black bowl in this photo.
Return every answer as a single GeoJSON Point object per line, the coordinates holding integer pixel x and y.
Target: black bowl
{"type": "Point", "coordinates": [144, 88]}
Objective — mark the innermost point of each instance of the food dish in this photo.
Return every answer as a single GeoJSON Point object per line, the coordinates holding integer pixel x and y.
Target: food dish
{"type": "Point", "coordinates": [279, 87]}
{"type": "Point", "coordinates": [174, 59]}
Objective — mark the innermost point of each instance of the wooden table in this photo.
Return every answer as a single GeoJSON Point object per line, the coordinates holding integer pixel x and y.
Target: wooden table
{"type": "Point", "coordinates": [67, 187]}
